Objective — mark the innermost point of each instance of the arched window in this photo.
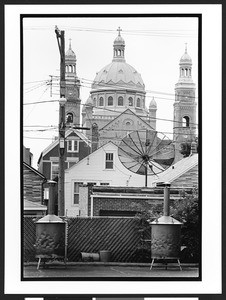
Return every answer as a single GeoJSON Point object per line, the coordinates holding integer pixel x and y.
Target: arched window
{"type": "Point", "coordinates": [110, 101]}
{"type": "Point", "coordinates": [101, 101]}
{"type": "Point", "coordinates": [130, 101]}
{"type": "Point", "coordinates": [66, 69]}
{"type": "Point", "coordinates": [69, 118]}
{"type": "Point", "coordinates": [120, 101]}
{"type": "Point", "coordinates": [138, 102]}
{"type": "Point", "coordinates": [186, 121]}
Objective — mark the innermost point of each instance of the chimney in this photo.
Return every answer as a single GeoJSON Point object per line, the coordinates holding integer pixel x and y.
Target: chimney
{"type": "Point", "coordinates": [51, 202]}
{"type": "Point", "coordinates": [166, 205]}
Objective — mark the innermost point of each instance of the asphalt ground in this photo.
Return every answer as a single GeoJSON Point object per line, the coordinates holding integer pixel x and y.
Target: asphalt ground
{"type": "Point", "coordinates": [108, 270]}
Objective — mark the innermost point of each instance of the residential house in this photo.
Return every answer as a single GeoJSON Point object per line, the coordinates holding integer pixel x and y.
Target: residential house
{"type": "Point", "coordinates": [103, 168]}
{"type": "Point", "coordinates": [33, 182]}
{"type": "Point", "coordinates": [77, 147]}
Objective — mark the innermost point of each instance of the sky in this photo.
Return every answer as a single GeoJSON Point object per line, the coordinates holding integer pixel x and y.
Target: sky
{"type": "Point", "coordinates": [153, 46]}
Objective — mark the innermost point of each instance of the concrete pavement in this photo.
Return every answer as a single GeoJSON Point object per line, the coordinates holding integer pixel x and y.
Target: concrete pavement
{"type": "Point", "coordinates": [90, 270]}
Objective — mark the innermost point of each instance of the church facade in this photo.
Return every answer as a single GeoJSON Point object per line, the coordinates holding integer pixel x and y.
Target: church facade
{"type": "Point", "coordinates": [116, 105]}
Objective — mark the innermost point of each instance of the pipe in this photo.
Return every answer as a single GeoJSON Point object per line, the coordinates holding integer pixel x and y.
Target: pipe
{"type": "Point", "coordinates": [51, 202]}
{"type": "Point", "coordinates": [166, 201]}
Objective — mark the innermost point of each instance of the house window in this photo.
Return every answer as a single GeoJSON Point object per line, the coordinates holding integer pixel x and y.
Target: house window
{"type": "Point", "coordinates": [101, 101]}
{"type": "Point", "coordinates": [109, 161]}
{"type": "Point", "coordinates": [138, 102]}
{"type": "Point", "coordinates": [76, 192]}
{"type": "Point", "coordinates": [110, 101]}
{"type": "Point", "coordinates": [120, 101]}
{"type": "Point", "coordinates": [55, 169]}
{"type": "Point", "coordinates": [72, 146]}
{"type": "Point", "coordinates": [104, 183]}
{"type": "Point", "coordinates": [130, 101]}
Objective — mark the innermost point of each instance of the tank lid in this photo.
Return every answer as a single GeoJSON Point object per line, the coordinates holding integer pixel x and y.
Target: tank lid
{"type": "Point", "coordinates": [50, 219]}
{"type": "Point", "coordinates": [166, 220]}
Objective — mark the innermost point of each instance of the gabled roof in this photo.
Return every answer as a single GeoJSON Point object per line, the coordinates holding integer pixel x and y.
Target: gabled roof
{"type": "Point", "coordinates": [30, 205]}
{"type": "Point", "coordinates": [178, 169]}
{"type": "Point", "coordinates": [34, 170]}
{"type": "Point", "coordinates": [56, 142]}
{"type": "Point", "coordinates": [85, 158]}
{"type": "Point", "coordinates": [127, 112]}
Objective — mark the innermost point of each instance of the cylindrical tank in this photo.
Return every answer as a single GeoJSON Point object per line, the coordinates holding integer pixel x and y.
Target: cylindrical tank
{"type": "Point", "coordinates": [50, 236]}
{"type": "Point", "coordinates": [165, 238]}
{"type": "Point", "coordinates": [166, 232]}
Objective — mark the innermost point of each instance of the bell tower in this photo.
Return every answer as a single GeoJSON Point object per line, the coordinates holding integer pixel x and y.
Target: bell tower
{"type": "Point", "coordinates": [73, 104]}
{"type": "Point", "coordinates": [184, 122]}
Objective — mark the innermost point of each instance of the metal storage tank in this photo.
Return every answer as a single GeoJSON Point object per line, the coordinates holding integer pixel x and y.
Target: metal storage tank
{"type": "Point", "coordinates": [50, 234]}
{"type": "Point", "coordinates": [166, 234]}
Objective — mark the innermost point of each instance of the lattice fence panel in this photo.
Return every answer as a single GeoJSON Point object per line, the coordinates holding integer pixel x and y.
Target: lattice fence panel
{"type": "Point", "coordinates": [119, 235]}
{"type": "Point", "coordinates": [29, 239]}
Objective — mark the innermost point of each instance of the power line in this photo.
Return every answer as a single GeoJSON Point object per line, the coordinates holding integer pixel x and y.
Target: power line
{"type": "Point", "coordinates": [156, 32]}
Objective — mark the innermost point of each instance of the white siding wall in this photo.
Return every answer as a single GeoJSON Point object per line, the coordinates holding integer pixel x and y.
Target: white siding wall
{"type": "Point", "coordinates": [92, 169]}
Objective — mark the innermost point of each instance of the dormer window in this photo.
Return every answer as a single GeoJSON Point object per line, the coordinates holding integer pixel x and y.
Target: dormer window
{"type": "Point", "coordinates": [72, 146]}
{"type": "Point", "coordinates": [138, 102]}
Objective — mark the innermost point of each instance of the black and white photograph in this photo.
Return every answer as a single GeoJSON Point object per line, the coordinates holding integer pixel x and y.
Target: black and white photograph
{"type": "Point", "coordinates": [111, 110]}
{"type": "Point", "coordinates": [111, 141]}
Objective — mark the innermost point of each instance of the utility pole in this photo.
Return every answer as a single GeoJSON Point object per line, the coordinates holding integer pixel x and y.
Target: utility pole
{"type": "Point", "coordinates": [61, 45]}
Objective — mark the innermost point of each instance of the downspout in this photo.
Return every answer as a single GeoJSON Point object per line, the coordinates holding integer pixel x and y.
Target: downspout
{"type": "Point", "coordinates": [91, 212]}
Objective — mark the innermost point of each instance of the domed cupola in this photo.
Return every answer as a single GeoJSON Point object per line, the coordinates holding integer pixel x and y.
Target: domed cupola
{"type": "Point", "coordinates": [185, 66]}
{"type": "Point", "coordinates": [185, 59]}
{"type": "Point", "coordinates": [70, 61]}
{"type": "Point", "coordinates": [153, 104]}
{"type": "Point", "coordinates": [119, 47]}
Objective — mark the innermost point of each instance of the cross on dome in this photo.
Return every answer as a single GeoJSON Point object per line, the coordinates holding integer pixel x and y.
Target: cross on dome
{"type": "Point", "coordinates": [186, 47]}
{"type": "Point", "coordinates": [119, 29]}
{"type": "Point", "coordinates": [70, 43]}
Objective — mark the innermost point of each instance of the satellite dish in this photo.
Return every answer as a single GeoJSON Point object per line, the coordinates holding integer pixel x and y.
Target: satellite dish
{"type": "Point", "coordinates": [146, 152]}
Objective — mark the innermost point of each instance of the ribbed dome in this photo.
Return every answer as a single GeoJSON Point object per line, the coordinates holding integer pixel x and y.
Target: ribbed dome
{"type": "Point", "coordinates": [119, 40]}
{"type": "Point", "coordinates": [118, 73]}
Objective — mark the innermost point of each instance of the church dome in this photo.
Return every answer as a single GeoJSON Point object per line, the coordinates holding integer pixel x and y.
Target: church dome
{"type": "Point", "coordinates": [185, 59]}
{"type": "Point", "coordinates": [119, 40]}
{"type": "Point", "coordinates": [118, 74]}
{"type": "Point", "coordinates": [118, 86]}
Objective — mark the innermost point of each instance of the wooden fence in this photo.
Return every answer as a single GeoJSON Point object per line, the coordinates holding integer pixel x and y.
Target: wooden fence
{"type": "Point", "coordinates": [121, 236]}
